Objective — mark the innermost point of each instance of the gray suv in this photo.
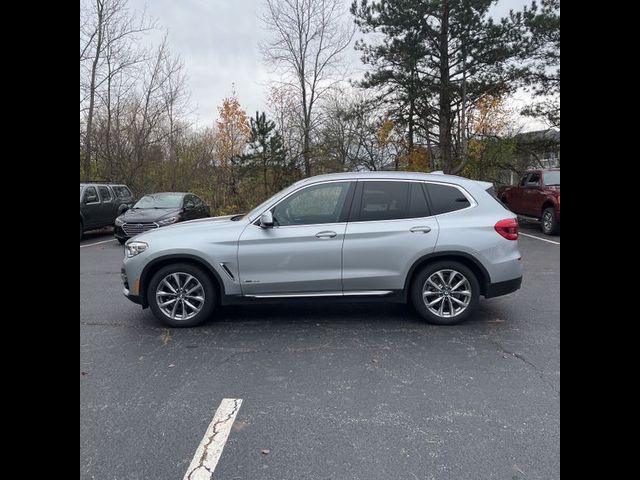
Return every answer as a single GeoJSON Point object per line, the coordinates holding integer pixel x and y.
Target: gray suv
{"type": "Point", "coordinates": [438, 241]}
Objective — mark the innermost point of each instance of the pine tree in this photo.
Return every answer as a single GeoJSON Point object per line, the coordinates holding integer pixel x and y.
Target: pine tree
{"type": "Point", "coordinates": [436, 60]}
{"type": "Point", "coordinates": [541, 72]}
{"type": "Point", "coordinates": [266, 146]}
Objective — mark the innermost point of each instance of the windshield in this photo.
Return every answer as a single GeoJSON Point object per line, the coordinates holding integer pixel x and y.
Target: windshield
{"type": "Point", "coordinates": [160, 200]}
{"type": "Point", "coordinates": [552, 177]}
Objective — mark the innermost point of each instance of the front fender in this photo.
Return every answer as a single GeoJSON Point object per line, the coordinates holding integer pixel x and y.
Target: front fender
{"type": "Point", "coordinates": [226, 284]}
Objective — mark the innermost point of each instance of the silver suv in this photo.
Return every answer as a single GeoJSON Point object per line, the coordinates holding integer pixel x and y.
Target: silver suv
{"type": "Point", "coordinates": [439, 241]}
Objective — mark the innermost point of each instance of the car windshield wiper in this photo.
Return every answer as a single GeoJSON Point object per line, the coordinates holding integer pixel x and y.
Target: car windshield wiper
{"type": "Point", "coordinates": [235, 218]}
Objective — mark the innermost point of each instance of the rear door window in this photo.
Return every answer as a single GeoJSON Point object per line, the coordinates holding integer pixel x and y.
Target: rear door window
{"type": "Point", "coordinates": [384, 201]}
{"type": "Point", "coordinates": [105, 194]}
{"type": "Point", "coordinates": [418, 206]}
{"type": "Point", "coordinates": [446, 198]}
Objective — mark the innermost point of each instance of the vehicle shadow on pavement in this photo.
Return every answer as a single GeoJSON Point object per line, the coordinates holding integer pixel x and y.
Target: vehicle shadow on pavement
{"type": "Point", "coordinates": [387, 315]}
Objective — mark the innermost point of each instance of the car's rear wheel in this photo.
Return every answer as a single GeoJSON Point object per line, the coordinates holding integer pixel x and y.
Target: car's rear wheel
{"type": "Point", "coordinates": [445, 292]}
{"type": "Point", "coordinates": [550, 225]}
{"type": "Point", "coordinates": [181, 295]}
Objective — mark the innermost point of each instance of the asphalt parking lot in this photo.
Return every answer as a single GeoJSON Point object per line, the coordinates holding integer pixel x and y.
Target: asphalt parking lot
{"type": "Point", "coordinates": [349, 391]}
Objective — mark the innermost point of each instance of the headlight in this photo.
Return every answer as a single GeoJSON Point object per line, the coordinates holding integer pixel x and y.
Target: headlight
{"type": "Point", "coordinates": [168, 221]}
{"type": "Point", "coordinates": [119, 222]}
{"type": "Point", "coordinates": [134, 248]}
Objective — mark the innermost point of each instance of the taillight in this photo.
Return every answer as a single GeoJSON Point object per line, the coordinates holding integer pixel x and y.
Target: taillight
{"type": "Point", "coordinates": [508, 228]}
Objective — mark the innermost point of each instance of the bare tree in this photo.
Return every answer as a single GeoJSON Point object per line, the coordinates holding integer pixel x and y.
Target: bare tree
{"type": "Point", "coordinates": [308, 39]}
{"type": "Point", "coordinates": [108, 31]}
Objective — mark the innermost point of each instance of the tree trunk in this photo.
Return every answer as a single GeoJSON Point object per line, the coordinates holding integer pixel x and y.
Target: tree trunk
{"type": "Point", "coordinates": [462, 161]}
{"type": "Point", "coordinates": [86, 167]}
{"type": "Point", "coordinates": [444, 117]}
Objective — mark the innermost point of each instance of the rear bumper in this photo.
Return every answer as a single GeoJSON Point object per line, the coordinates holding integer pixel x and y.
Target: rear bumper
{"type": "Point", "coordinates": [502, 288]}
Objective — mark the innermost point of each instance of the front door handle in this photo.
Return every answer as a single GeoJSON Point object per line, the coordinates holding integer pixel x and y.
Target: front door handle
{"type": "Point", "coordinates": [420, 229]}
{"type": "Point", "coordinates": [326, 234]}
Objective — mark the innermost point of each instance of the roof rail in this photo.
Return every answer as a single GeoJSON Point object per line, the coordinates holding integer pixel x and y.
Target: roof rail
{"type": "Point", "coordinates": [438, 172]}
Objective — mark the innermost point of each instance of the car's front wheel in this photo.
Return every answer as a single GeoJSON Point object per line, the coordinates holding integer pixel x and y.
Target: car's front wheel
{"type": "Point", "coordinates": [181, 295]}
{"type": "Point", "coordinates": [445, 292]}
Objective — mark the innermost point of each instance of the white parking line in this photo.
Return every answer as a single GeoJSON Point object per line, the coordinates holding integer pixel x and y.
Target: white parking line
{"type": "Point", "coordinates": [97, 243]}
{"type": "Point", "coordinates": [540, 238]}
{"type": "Point", "coordinates": [208, 453]}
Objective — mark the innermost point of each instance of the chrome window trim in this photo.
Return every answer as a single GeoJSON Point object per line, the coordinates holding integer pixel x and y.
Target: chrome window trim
{"type": "Point", "coordinates": [467, 195]}
{"type": "Point", "coordinates": [472, 201]}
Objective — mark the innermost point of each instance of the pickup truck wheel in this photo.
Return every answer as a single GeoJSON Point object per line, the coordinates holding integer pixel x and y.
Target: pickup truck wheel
{"type": "Point", "coordinates": [549, 224]}
{"type": "Point", "coordinates": [445, 292]}
{"type": "Point", "coordinates": [181, 295]}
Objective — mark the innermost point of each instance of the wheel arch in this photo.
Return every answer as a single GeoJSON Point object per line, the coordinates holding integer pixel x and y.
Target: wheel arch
{"type": "Point", "coordinates": [466, 259]}
{"type": "Point", "coordinates": [156, 264]}
{"type": "Point", "coordinates": [549, 202]}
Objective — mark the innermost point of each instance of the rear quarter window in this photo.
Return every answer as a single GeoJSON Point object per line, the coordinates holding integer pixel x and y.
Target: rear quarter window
{"type": "Point", "coordinates": [446, 198]}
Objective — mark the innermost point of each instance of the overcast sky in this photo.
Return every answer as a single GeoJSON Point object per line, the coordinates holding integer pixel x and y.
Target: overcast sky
{"type": "Point", "coordinates": [218, 41]}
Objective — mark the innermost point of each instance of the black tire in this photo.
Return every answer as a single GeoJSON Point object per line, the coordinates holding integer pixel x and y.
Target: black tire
{"type": "Point", "coordinates": [550, 225]}
{"type": "Point", "coordinates": [421, 278]}
{"type": "Point", "coordinates": [201, 276]}
{"type": "Point", "coordinates": [121, 240]}
{"type": "Point", "coordinates": [81, 231]}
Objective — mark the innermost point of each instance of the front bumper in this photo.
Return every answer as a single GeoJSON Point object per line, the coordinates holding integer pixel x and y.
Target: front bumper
{"type": "Point", "coordinates": [126, 288]}
{"type": "Point", "coordinates": [118, 232]}
{"type": "Point", "coordinates": [134, 298]}
{"type": "Point", "coordinates": [502, 288]}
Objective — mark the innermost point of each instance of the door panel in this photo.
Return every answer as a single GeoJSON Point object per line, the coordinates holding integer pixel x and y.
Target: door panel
{"type": "Point", "coordinates": [92, 212]}
{"type": "Point", "coordinates": [302, 253]}
{"type": "Point", "coordinates": [391, 226]}
{"type": "Point", "coordinates": [291, 259]}
{"type": "Point", "coordinates": [377, 255]}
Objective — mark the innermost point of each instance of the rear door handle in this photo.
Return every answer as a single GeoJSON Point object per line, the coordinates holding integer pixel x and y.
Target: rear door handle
{"type": "Point", "coordinates": [420, 229]}
{"type": "Point", "coordinates": [326, 234]}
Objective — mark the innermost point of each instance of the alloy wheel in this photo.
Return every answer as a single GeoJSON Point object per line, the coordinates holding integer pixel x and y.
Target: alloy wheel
{"type": "Point", "coordinates": [180, 296]}
{"type": "Point", "coordinates": [446, 293]}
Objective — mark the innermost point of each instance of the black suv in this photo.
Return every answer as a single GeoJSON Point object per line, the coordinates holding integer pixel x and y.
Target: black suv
{"type": "Point", "coordinates": [101, 203]}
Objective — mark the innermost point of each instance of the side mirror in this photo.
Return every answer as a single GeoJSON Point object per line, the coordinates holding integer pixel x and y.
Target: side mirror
{"type": "Point", "coordinates": [90, 199]}
{"type": "Point", "coordinates": [266, 220]}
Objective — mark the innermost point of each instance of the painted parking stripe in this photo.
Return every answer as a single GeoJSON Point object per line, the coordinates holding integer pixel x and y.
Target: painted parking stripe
{"type": "Point", "coordinates": [97, 243]}
{"type": "Point", "coordinates": [208, 453]}
{"type": "Point", "coordinates": [540, 238]}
